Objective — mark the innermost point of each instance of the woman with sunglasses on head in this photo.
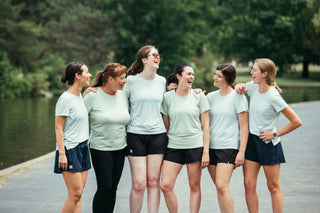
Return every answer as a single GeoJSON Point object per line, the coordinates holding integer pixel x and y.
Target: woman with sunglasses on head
{"type": "Point", "coordinates": [186, 117]}
{"type": "Point", "coordinates": [109, 115]}
{"type": "Point", "coordinates": [229, 130]}
{"type": "Point", "coordinates": [146, 134]}
{"type": "Point", "coordinates": [264, 146]}
{"type": "Point", "coordinates": [72, 131]}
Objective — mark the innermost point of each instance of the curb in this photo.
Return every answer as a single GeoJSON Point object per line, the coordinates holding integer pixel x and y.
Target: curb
{"type": "Point", "coordinates": [4, 173]}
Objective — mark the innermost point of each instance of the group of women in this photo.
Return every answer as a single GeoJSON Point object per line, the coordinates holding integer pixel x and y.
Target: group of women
{"type": "Point", "coordinates": [161, 131]}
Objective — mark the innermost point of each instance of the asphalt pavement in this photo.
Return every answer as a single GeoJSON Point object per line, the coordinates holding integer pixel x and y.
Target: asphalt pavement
{"type": "Point", "coordinates": [33, 187]}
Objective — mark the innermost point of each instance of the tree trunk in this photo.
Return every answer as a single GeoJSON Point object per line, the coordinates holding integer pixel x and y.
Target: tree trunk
{"type": "Point", "coordinates": [305, 71]}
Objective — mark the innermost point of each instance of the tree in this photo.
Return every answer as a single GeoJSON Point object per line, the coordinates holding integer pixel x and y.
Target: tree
{"type": "Point", "coordinates": [81, 31]}
{"type": "Point", "coordinates": [174, 27]}
{"type": "Point", "coordinates": [19, 37]}
{"type": "Point", "coordinates": [255, 28]}
{"type": "Point", "coordinates": [309, 23]}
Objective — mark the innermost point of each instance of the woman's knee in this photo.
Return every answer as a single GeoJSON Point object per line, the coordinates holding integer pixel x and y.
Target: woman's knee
{"type": "Point", "coordinates": [166, 187]}
{"type": "Point", "coordinates": [153, 181]}
{"type": "Point", "coordinates": [139, 185]}
{"type": "Point", "coordinates": [76, 194]}
{"type": "Point", "coordinates": [274, 187]}
{"type": "Point", "coordinates": [250, 186]}
{"type": "Point", "coordinates": [222, 187]}
{"type": "Point", "coordinates": [194, 186]}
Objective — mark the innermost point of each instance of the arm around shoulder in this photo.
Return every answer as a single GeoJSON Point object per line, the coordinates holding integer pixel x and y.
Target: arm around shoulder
{"type": "Point", "coordinates": [240, 88]}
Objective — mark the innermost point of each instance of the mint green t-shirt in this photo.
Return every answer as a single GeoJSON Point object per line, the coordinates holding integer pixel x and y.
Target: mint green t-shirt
{"type": "Point", "coordinates": [109, 116]}
{"type": "Point", "coordinates": [185, 131]}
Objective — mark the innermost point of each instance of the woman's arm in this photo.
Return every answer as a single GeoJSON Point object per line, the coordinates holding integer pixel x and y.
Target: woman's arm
{"type": "Point", "coordinates": [89, 89]}
{"type": "Point", "coordinates": [240, 88]}
{"type": "Point", "coordinates": [59, 123]}
{"type": "Point", "coordinates": [295, 122]}
{"type": "Point", "coordinates": [244, 134]}
{"type": "Point", "coordinates": [166, 122]}
{"type": "Point", "coordinates": [204, 117]}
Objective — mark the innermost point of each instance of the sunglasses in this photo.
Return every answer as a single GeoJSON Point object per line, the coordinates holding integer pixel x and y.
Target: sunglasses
{"type": "Point", "coordinates": [155, 55]}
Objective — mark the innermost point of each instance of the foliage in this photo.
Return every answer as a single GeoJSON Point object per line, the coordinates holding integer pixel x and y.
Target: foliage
{"type": "Point", "coordinates": [254, 29]}
{"type": "Point", "coordinates": [39, 37]}
{"type": "Point", "coordinates": [81, 32]}
{"type": "Point", "coordinates": [174, 27]}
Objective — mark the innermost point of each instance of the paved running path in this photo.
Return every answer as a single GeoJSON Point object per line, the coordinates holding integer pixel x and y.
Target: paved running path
{"type": "Point", "coordinates": [35, 189]}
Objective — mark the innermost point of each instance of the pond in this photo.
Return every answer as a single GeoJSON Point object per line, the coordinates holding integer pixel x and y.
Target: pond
{"type": "Point", "coordinates": [27, 125]}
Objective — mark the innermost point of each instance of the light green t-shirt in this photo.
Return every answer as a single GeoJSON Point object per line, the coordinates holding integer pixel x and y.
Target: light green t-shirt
{"type": "Point", "coordinates": [185, 130]}
{"type": "Point", "coordinates": [109, 116]}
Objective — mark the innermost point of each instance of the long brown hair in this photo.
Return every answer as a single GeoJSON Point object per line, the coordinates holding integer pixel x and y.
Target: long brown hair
{"type": "Point", "coordinates": [110, 70]}
{"type": "Point", "coordinates": [138, 66]}
{"type": "Point", "coordinates": [267, 65]}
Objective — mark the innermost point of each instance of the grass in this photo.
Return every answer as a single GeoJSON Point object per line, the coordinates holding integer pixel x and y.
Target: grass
{"type": "Point", "coordinates": [292, 78]}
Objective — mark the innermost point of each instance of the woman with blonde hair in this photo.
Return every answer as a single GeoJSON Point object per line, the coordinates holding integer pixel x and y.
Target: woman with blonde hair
{"type": "Point", "coordinates": [264, 146]}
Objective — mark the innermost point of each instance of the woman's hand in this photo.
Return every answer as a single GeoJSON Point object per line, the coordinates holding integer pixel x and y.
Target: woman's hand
{"type": "Point", "coordinates": [239, 159]}
{"type": "Point", "coordinates": [63, 162]}
{"type": "Point", "coordinates": [205, 159]}
{"type": "Point", "coordinates": [240, 88]}
{"type": "Point", "coordinates": [198, 91]}
{"type": "Point", "coordinates": [266, 135]}
{"type": "Point", "coordinates": [90, 89]}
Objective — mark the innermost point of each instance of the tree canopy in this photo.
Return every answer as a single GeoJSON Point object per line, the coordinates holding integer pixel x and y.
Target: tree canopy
{"type": "Point", "coordinates": [39, 37]}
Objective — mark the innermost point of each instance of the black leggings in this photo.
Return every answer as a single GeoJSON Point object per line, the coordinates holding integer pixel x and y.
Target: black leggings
{"type": "Point", "coordinates": [108, 166]}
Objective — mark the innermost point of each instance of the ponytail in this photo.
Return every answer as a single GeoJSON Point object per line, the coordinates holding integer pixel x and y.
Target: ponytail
{"type": "Point", "coordinates": [277, 87]}
{"type": "Point", "coordinates": [136, 68]}
{"type": "Point", "coordinates": [273, 83]}
{"type": "Point", "coordinates": [98, 81]}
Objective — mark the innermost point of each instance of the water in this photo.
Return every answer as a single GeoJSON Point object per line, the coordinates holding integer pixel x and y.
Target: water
{"type": "Point", "coordinates": [26, 129]}
{"type": "Point", "coordinates": [27, 125]}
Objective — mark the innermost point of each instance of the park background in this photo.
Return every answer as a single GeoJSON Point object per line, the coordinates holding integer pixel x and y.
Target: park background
{"type": "Point", "coordinates": [39, 37]}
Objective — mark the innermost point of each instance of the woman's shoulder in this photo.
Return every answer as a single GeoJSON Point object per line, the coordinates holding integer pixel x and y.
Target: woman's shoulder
{"type": "Point", "coordinates": [121, 93]}
{"type": "Point", "coordinates": [274, 93]}
{"type": "Point", "coordinates": [132, 77]}
{"type": "Point", "coordinates": [212, 94]}
{"type": "Point", "coordinates": [169, 93]}
{"type": "Point", "coordinates": [160, 77]}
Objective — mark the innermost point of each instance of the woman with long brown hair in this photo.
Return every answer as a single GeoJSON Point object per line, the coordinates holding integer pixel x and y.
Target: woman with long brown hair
{"type": "Point", "coordinates": [146, 134]}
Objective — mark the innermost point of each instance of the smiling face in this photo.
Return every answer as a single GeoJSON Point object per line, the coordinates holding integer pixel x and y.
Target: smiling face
{"type": "Point", "coordinates": [219, 79]}
{"type": "Point", "coordinates": [85, 76]}
{"type": "Point", "coordinates": [118, 82]}
{"type": "Point", "coordinates": [186, 78]}
{"type": "Point", "coordinates": [257, 76]}
{"type": "Point", "coordinates": [152, 60]}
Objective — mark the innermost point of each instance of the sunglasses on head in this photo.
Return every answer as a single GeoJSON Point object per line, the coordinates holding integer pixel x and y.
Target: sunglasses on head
{"type": "Point", "coordinates": [155, 55]}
